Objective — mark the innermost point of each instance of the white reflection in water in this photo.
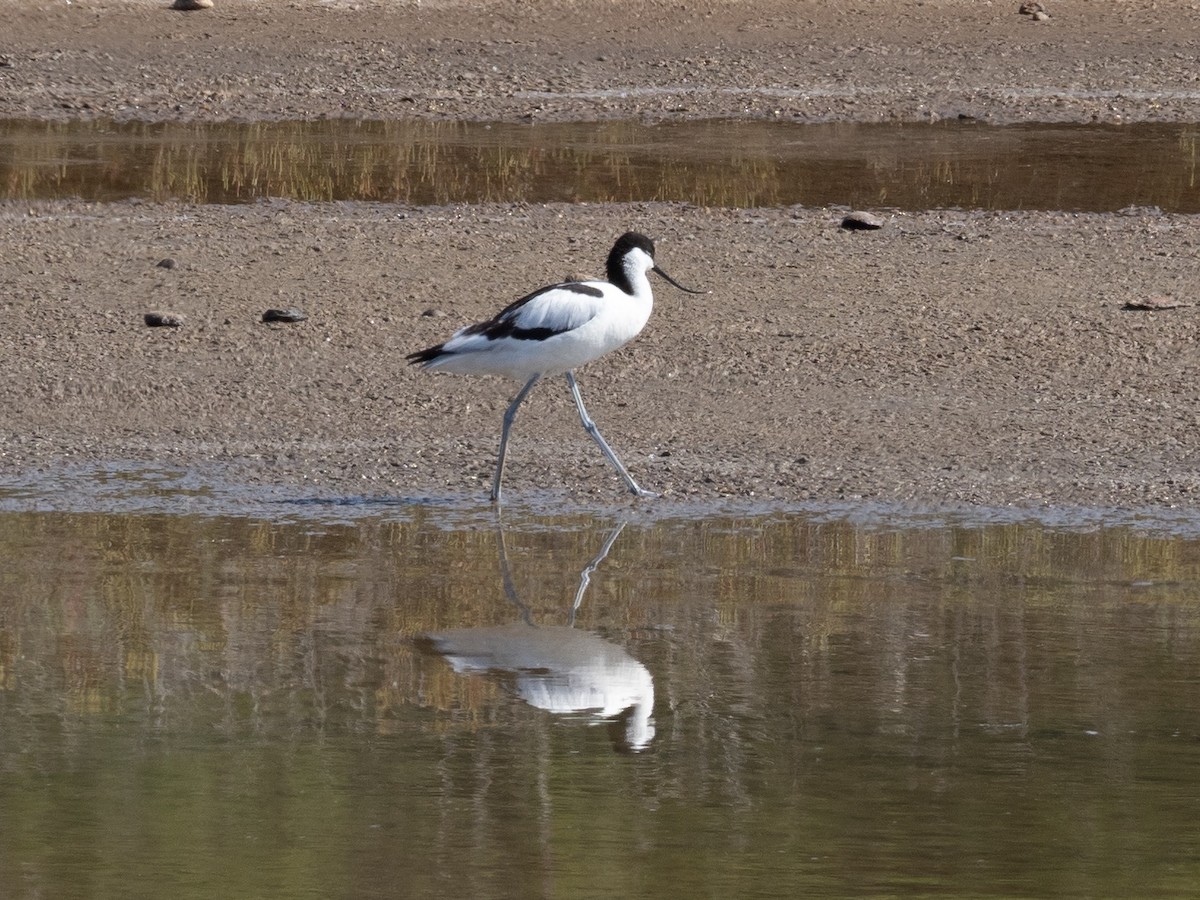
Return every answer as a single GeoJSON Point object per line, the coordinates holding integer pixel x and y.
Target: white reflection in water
{"type": "Point", "coordinates": [561, 669]}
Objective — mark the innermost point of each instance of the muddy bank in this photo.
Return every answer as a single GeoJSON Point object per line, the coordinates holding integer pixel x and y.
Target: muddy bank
{"type": "Point", "coordinates": [974, 357]}
{"type": "Point", "coordinates": [860, 60]}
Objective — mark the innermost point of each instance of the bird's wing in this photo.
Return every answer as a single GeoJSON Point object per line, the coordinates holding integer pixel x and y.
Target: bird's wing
{"type": "Point", "coordinates": [544, 313]}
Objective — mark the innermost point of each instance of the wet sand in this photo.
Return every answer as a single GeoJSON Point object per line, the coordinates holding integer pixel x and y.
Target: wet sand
{"type": "Point", "coordinates": [950, 357]}
{"type": "Point", "coordinates": [851, 60]}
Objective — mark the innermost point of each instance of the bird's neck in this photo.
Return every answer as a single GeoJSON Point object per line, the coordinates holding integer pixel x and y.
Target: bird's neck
{"type": "Point", "coordinates": [632, 280]}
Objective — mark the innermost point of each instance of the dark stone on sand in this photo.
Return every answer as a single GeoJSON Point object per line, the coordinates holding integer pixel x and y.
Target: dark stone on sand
{"type": "Point", "coordinates": [862, 221]}
{"type": "Point", "coordinates": [163, 320]}
{"type": "Point", "coordinates": [167, 263]}
{"type": "Point", "coordinates": [284, 315]}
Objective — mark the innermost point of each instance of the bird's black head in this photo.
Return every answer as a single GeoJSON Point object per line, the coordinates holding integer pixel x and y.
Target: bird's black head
{"type": "Point", "coordinates": [614, 269]}
{"type": "Point", "coordinates": [618, 267]}
{"type": "Point", "coordinates": [631, 239]}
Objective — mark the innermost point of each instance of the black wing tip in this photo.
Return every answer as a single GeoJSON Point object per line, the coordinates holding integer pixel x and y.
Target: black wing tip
{"type": "Point", "coordinates": [422, 357]}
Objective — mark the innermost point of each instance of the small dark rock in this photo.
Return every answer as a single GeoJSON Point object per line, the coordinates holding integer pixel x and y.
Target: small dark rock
{"type": "Point", "coordinates": [163, 320]}
{"type": "Point", "coordinates": [167, 263]}
{"type": "Point", "coordinates": [189, 5]}
{"type": "Point", "coordinates": [862, 221]}
{"type": "Point", "coordinates": [284, 315]}
{"type": "Point", "coordinates": [433, 313]}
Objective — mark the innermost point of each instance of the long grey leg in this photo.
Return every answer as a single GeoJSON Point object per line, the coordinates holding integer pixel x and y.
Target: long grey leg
{"type": "Point", "coordinates": [509, 415]}
{"type": "Point", "coordinates": [592, 430]}
{"type": "Point", "coordinates": [585, 577]}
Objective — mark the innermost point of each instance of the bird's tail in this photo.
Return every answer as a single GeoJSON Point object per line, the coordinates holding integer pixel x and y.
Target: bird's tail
{"type": "Point", "coordinates": [426, 356]}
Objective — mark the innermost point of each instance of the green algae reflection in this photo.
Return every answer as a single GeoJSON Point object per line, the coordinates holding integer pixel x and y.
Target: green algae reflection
{"type": "Point", "coordinates": [714, 163]}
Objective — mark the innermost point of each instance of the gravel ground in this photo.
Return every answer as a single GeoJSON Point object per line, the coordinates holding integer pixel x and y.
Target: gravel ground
{"type": "Point", "coordinates": [803, 60]}
{"type": "Point", "coordinates": [949, 357]}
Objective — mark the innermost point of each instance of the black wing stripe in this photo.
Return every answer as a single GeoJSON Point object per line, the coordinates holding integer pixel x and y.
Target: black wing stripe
{"type": "Point", "coordinates": [504, 326]}
{"type": "Point", "coordinates": [575, 287]}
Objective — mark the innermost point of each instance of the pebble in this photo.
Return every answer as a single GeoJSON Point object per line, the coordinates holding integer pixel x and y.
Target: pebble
{"type": "Point", "coordinates": [167, 263]}
{"type": "Point", "coordinates": [163, 320]}
{"type": "Point", "coordinates": [290, 314]}
{"type": "Point", "coordinates": [433, 313]}
{"type": "Point", "coordinates": [189, 5]}
{"type": "Point", "coordinates": [862, 221]}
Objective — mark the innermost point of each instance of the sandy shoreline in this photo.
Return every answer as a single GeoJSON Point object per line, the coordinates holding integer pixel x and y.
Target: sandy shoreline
{"type": "Point", "coordinates": [927, 362]}
{"type": "Point", "coordinates": [953, 357]}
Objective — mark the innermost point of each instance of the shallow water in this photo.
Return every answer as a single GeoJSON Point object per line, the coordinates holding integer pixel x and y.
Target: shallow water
{"type": "Point", "coordinates": [321, 704]}
{"type": "Point", "coordinates": [715, 163]}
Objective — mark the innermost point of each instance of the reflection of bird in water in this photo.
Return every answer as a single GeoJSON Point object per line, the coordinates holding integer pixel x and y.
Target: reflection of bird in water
{"type": "Point", "coordinates": [559, 668]}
